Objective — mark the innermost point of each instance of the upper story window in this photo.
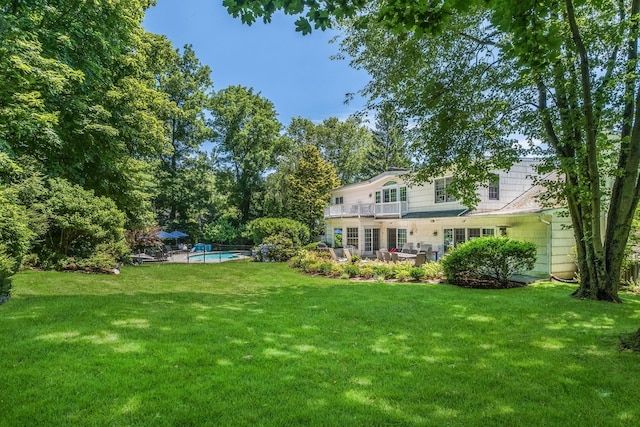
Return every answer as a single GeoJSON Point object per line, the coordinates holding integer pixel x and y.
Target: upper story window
{"type": "Point", "coordinates": [392, 194]}
{"type": "Point", "coordinates": [338, 200]}
{"type": "Point", "coordinates": [441, 185]}
{"type": "Point", "coordinates": [494, 189]}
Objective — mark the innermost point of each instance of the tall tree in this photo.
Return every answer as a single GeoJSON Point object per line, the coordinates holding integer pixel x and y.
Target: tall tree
{"type": "Point", "coordinates": [77, 94]}
{"type": "Point", "coordinates": [188, 85]}
{"type": "Point", "coordinates": [342, 143]}
{"type": "Point", "coordinates": [248, 143]}
{"type": "Point", "coordinates": [300, 187]}
{"type": "Point", "coordinates": [389, 148]}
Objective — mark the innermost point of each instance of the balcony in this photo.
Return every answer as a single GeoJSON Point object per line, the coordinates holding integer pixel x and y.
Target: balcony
{"type": "Point", "coordinates": [380, 210]}
{"type": "Point", "coordinates": [390, 210]}
{"type": "Point", "coordinates": [348, 211]}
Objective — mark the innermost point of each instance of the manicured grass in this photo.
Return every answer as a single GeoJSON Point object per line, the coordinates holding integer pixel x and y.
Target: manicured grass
{"type": "Point", "coordinates": [260, 344]}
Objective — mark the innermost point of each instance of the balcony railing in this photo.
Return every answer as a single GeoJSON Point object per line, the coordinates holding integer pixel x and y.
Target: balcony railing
{"type": "Point", "coordinates": [390, 210]}
{"type": "Point", "coordinates": [380, 210]}
{"type": "Point", "coordinates": [342, 211]}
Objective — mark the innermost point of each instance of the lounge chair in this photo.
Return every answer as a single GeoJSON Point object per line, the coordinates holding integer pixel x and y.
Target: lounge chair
{"type": "Point", "coordinates": [347, 254]}
{"type": "Point", "coordinates": [334, 256]}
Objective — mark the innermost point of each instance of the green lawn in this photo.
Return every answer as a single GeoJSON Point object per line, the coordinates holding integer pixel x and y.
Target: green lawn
{"type": "Point", "coordinates": [259, 344]}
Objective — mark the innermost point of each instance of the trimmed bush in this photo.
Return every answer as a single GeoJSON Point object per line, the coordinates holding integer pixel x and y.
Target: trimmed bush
{"type": "Point", "coordinates": [488, 261]}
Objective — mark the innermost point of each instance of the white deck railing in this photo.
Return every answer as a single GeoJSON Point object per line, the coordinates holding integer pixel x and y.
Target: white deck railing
{"type": "Point", "coordinates": [395, 209]}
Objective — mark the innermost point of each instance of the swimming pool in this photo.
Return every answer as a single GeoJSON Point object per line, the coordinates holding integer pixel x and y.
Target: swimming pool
{"type": "Point", "coordinates": [214, 257]}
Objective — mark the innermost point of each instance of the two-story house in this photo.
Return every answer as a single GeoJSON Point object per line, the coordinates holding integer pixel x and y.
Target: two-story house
{"type": "Point", "coordinates": [385, 212]}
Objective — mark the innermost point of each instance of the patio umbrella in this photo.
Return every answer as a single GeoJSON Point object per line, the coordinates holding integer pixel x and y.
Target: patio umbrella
{"type": "Point", "coordinates": [164, 235]}
{"type": "Point", "coordinates": [177, 234]}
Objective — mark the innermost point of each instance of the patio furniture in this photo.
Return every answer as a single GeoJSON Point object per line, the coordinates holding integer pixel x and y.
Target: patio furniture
{"type": "Point", "coordinates": [394, 257]}
{"type": "Point", "coordinates": [387, 256]}
{"type": "Point", "coordinates": [420, 259]}
{"type": "Point", "coordinates": [347, 254]}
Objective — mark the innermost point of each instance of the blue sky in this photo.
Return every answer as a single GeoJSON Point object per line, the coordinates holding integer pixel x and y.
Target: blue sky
{"type": "Point", "coordinates": [294, 72]}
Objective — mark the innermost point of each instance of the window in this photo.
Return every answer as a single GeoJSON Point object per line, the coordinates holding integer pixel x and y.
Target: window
{"type": "Point", "coordinates": [488, 232]}
{"type": "Point", "coordinates": [390, 195]}
{"type": "Point", "coordinates": [494, 189]}
{"type": "Point", "coordinates": [402, 237]}
{"type": "Point", "coordinates": [474, 233]}
{"type": "Point", "coordinates": [352, 237]}
{"type": "Point", "coordinates": [403, 194]}
{"type": "Point", "coordinates": [339, 200]}
{"type": "Point", "coordinates": [441, 185]}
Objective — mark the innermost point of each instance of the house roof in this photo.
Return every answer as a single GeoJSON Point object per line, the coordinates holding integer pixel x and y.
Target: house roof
{"type": "Point", "coordinates": [435, 214]}
{"type": "Point", "coordinates": [527, 202]}
{"type": "Point", "coordinates": [395, 172]}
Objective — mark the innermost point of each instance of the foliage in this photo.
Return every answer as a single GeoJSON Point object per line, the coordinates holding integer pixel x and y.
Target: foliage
{"type": "Point", "coordinates": [278, 247]}
{"type": "Point", "coordinates": [300, 187]}
{"type": "Point", "coordinates": [488, 261]}
{"type": "Point", "coordinates": [15, 235]}
{"type": "Point", "coordinates": [79, 223]}
{"type": "Point", "coordinates": [221, 231]}
{"type": "Point", "coordinates": [247, 144]}
{"type": "Point", "coordinates": [184, 172]}
{"type": "Point", "coordinates": [78, 96]}
{"type": "Point", "coordinates": [352, 270]}
{"type": "Point", "coordinates": [262, 228]}
{"type": "Point", "coordinates": [389, 148]}
{"type": "Point", "coordinates": [344, 144]}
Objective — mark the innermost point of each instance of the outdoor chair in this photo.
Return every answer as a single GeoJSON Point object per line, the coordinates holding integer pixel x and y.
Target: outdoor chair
{"type": "Point", "coordinates": [387, 256]}
{"type": "Point", "coordinates": [420, 259]}
{"type": "Point", "coordinates": [347, 254]}
{"type": "Point", "coordinates": [334, 256]}
{"type": "Point", "coordinates": [394, 256]}
{"type": "Point", "coordinates": [379, 256]}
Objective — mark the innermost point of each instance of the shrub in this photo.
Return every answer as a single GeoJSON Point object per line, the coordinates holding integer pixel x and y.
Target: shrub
{"type": "Point", "coordinates": [432, 270]}
{"type": "Point", "coordinates": [352, 270]}
{"type": "Point", "coordinates": [366, 271]}
{"type": "Point", "coordinates": [382, 270]}
{"type": "Point", "coordinates": [15, 238]}
{"type": "Point", "coordinates": [337, 270]}
{"type": "Point", "coordinates": [221, 231]}
{"type": "Point", "coordinates": [356, 259]}
{"type": "Point", "coordinates": [326, 268]}
{"type": "Point", "coordinates": [417, 273]}
{"type": "Point", "coordinates": [262, 228]}
{"type": "Point", "coordinates": [275, 248]}
{"type": "Point", "coordinates": [490, 260]}
{"type": "Point", "coordinates": [79, 224]}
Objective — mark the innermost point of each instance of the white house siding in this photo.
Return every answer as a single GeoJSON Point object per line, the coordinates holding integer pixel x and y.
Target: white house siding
{"type": "Point", "coordinates": [512, 185]}
{"type": "Point", "coordinates": [563, 246]}
{"type": "Point", "coordinates": [531, 228]}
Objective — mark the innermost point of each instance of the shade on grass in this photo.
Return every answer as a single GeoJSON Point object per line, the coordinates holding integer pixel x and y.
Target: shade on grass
{"type": "Point", "coordinates": [259, 344]}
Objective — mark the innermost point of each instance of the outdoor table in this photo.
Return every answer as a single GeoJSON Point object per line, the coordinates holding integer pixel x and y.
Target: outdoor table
{"type": "Point", "coordinates": [403, 255]}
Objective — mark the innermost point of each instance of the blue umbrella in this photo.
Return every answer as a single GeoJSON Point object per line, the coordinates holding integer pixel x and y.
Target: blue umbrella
{"type": "Point", "coordinates": [177, 234]}
{"type": "Point", "coordinates": [164, 235]}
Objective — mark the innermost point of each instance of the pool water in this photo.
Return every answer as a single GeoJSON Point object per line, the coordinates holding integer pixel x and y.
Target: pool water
{"type": "Point", "coordinates": [213, 257]}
